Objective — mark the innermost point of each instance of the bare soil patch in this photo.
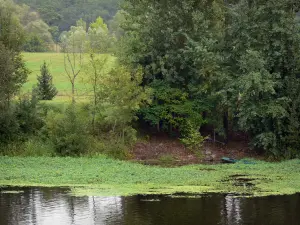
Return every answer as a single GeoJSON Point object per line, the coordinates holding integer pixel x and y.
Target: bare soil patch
{"type": "Point", "coordinates": [160, 147]}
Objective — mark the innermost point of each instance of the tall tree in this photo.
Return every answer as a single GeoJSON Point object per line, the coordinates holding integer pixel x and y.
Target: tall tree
{"type": "Point", "coordinates": [99, 41]}
{"type": "Point", "coordinates": [175, 42]}
{"type": "Point", "coordinates": [262, 55]}
{"type": "Point", "coordinates": [13, 71]}
{"type": "Point", "coordinates": [74, 47]}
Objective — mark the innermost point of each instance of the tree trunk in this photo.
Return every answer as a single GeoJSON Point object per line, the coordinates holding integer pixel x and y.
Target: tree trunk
{"type": "Point", "coordinates": [225, 125]}
{"type": "Point", "coordinates": [73, 92]}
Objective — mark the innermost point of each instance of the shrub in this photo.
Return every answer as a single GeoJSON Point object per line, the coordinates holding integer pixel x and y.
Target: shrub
{"type": "Point", "coordinates": [38, 147]}
{"type": "Point", "coordinates": [192, 139]}
{"type": "Point", "coordinates": [27, 115]}
{"type": "Point", "coordinates": [68, 132]}
{"type": "Point", "coordinates": [167, 160]}
{"type": "Point", "coordinates": [9, 127]}
{"type": "Point", "coordinates": [20, 120]}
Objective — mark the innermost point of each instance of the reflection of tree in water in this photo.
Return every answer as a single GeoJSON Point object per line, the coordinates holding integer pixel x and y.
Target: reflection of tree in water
{"type": "Point", "coordinates": [107, 210]}
{"type": "Point", "coordinates": [231, 212]}
{"type": "Point", "coordinates": [9, 214]}
{"type": "Point", "coordinates": [54, 206]}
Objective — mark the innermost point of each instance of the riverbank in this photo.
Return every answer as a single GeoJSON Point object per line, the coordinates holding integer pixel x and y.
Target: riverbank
{"type": "Point", "coordinates": [106, 177]}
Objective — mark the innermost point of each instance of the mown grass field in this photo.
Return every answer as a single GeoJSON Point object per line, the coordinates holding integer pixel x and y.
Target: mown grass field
{"type": "Point", "coordinates": [60, 79]}
{"type": "Point", "coordinates": [104, 176]}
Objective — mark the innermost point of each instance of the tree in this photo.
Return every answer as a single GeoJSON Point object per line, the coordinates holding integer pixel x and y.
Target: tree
{"type": "Point", "coordinates": [99, 41]}
{"type": "Point", "coordinates": [45, 89]}
{"type": "Point", "coordinates": [116, 23]}
{"type": "Point", "coordinates": [35, 44]}
{"type": "Point", "coordinates": [262, 60]}
{"type": "Point", "coordinates": [96, 70]}
{"type": "Point", "coordinates": [65, 13]}
{"type": "Point", "coordinates": [181, 51]}
{"type": "Point", "coordinates": [37, 32]}
{"type": "Point", "coordinates": [120, 97]}
{"type": "Point", "coordinates": [13, 71]}
{"type": "Point", "coordinates": [74, 47]}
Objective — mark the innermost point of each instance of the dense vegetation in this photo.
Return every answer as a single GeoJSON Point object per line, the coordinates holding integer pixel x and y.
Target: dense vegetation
{"type": "Point", "coordinates": [181, 67]}
{"type": "Point", "coordinates": [44, 21]}
{"type": "Point", "coordinates": [64, 13]}
{"type": "Point", "coordinates": [233, 66]}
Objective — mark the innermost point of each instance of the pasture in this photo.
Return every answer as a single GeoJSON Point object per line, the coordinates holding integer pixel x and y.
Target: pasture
{"type": "Point", "coordinates": [55, 62]}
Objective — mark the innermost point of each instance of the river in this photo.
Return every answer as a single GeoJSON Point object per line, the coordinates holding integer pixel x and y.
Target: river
{"type": "Point", "coordinates": [51, 206]}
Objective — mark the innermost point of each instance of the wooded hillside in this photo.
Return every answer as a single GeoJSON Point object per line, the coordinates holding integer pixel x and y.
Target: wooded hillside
{"type": "Point", "coordinates": [65, 13]}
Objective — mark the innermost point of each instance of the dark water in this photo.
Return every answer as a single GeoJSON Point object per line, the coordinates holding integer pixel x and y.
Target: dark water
{"type": "Point", "coordinates": [51, 206]}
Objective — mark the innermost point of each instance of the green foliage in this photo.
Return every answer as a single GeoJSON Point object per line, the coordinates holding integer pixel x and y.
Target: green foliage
{"type": "Point", "coordinates": [9, 127]}
{"type": "Point", "coordinates": [234, 62]}
{"type": "Point", "coordinates": [99, 38]}
{"type": "Point", "coordinates": [116, 23]}
{"type": "Point", "coordinates": [13, 72]}
{"type": "Point", "coordinates": [171, 108]}
{"type": "Point", "coordinates": [120, 96]}
{"type": "Point", "coordinates": [27, 114]}
{"type": "Point", "coordinates": [111, 146]}
{"type": "Point", "coordinates": [74, 46]}
{"type": "Point", "coordinates": [181, 64]}
{"type": "Point", "coordinates": [178, 55]}
{"type": "Point", "coordinates": [45, 90]}
{"type": "Point", "coordinates": [36, 31]}
{"type": "Point", "coordinates": [64, 14]}
{"type": "Point", "coordinates": [166, 160]}
{"type": "Point", "coordinates": [35, 44]}
{"type": "Point", "coordinates": [68, 132]}
{"type": "Point", "coordinates": [160, 47]}
{"type": "Point", "coordinates": [11, 32]}
{"type": "Point", "coordinates": [37, 147]}
{"type": "Point", "coordinates": [20, 120]}
{"type": "Point", "coordinates": [192, 139]}
{"type": "Point", "coordinates": [262, 51]}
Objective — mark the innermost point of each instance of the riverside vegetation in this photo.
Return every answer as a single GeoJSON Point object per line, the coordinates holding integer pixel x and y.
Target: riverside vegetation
{"type": "Point", "coordinates": [226, 67]}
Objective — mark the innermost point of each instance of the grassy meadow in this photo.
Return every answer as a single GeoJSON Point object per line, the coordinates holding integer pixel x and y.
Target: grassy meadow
{"type": "Point", "coordinates": [60, 79]}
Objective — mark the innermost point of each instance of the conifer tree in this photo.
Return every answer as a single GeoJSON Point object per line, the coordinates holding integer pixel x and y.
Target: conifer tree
{"type": "Point", "coordinates": [45, 89]}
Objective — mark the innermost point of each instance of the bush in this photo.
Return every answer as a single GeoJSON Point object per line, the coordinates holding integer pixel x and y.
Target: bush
{"type": "Point", "coordinates": [192, 139]}
{"type": "Point", "coordinates": [9, 126]}
{"type": "Point", "coordinates": [68, 132]}
{"type": "Point", "coordinates": [20, 120]}
{"type": "Point", "coordinates": [38, 147]}
{"type": "Point", "coordinates": [27, 115]}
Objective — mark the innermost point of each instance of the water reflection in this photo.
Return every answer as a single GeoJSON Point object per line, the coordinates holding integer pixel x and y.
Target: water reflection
{"type": "Point", "coordinates": [55, 206]}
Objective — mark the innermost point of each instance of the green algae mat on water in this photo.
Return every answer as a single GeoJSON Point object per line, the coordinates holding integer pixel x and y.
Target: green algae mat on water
{"type": "Point", "coordinates": [106, 177]}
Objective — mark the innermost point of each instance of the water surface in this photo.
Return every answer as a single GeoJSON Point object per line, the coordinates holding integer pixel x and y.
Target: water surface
{"type": "Point", "coordinates": [48, 206]}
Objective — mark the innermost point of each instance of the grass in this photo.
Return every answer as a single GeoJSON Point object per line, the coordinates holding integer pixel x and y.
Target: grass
{"type": "Point", "coordinates": [60, 80]}
{"type": "Point", "coordinates": [104, 176]}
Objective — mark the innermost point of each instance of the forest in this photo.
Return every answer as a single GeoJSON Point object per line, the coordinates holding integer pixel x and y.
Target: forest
{"type": "Point", "coordinates": [197, 71]}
